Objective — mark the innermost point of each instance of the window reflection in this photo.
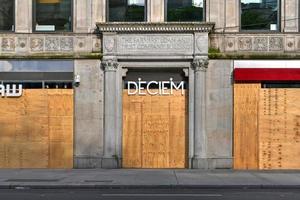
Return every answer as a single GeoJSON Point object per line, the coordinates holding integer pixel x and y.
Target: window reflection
{"type": "Point", "coordinates": [259, 15]}
{"type": "Point", "coordinates": [185, 10]}
{"type": "Point", "coordinates": [6, 15]}
{"type": "Point", "coordinates": [127, 10]}
{"type": "Point", "coordinates": [53, 15]}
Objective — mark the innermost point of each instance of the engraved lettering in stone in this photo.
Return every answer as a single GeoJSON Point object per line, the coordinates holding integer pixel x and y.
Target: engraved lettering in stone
{"type": "Point", "coordinates": [159, 43]}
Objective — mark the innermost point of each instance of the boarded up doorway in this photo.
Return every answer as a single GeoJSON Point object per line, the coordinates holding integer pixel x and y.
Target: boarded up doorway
{"type": "Point", "coordinates": [155, 128]}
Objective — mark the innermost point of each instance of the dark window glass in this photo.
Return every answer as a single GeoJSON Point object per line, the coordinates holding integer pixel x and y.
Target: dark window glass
{"type": "Point", "coordinates": [259, 15]}
{"type": "Point", "coordinates": [185, 10]}
{"type": "Point", "coordinates": [53, 15]}
{"type": "Point", "coordinates": [126, 10]}
{"type": "Point", "coordinates": [6, 15]}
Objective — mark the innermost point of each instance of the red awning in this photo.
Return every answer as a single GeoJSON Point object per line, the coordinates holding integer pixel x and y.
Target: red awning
{"type": "Point", "coordinates": [266, 74]}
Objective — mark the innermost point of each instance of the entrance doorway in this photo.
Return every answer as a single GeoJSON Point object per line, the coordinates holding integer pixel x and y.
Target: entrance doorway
{"type": "Point", "coordinates": [155, 128]}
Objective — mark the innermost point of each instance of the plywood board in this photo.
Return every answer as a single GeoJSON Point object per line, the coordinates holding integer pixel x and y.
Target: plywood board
{"type": "Point", "coordinates": [279, 129]}
{"type": "Point", "coordinates": [246, 100]}
{"type": "Point", "coordinates": [37, 129]}
{"type": "Point", "coordinates": [154, 131]}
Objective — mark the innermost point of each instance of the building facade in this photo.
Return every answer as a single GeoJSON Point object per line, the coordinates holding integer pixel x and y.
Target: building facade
{"type": "Point", "coordinates": [83, 66]}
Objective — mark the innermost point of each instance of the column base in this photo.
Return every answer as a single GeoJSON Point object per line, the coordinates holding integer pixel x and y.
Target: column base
{"type": "Point", "coordinates": [110, 163]}
{"type": "Point", "coordinates": [211, 163]}
{"type": "Point", "coordinates": [87, 162]}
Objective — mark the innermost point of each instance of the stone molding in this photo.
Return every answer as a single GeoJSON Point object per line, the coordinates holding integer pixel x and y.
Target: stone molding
{"type": "Point", "coordinates": [200, 64]}
{"type": "Point", "coordinates": [162, 27]}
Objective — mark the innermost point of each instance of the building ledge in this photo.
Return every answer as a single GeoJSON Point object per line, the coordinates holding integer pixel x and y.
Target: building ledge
{"type": "Point", "coordinates": [176, 27]}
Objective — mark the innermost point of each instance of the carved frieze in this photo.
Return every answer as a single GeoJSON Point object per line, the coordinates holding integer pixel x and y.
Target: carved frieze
{"type": "Point", "coordinates": [8, 44]}
{"type": "Point", "coordinates": [52, 44]}
{"type": "Point", "coordinates": [276, 43]}
{"type": "Point", "coordinates": [260, 44]}
{"type": "Point", "coordinates": [67, 43]}
{"type": "Point", "coordinates": [245, 43]}
{"type": "Point", "coordinates": [37, 44]}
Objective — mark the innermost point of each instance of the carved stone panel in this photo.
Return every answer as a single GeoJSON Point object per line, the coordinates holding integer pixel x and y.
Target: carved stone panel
{"type": "Point", "coordinates": [52, 44]}
{"type": "Point", "coordinates": [66, 43]}
{"type": "Point", "coordinates": [155, 44]}
{"type": "Point", "coordinates": [276, 43]}
{"type": "Point", "coordinates": [245, 43]}
{"type": "Point", "coordinates": [8, 45]}
{"type": "Point", "coordinates": [261, 44]}
{"type": "Point", "coordinates": [36, 44]}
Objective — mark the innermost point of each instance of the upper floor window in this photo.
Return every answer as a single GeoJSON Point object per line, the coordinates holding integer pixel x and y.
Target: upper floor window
{"type": "Point", "coordinates": [6, 15]}
{"type": "Point", "coordinates": [127, 10]}
{"type": "Point", "coordinates": [260, 15]}
{"type": "Point", "coordinates": [53, 15]}
{"type": "Point", "coordinates": [185, 10]}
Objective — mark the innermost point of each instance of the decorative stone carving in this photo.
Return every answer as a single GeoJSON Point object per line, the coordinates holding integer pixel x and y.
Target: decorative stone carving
{"type": "Point", "coordinates": [52, 44]}
{"type": "Point", "coordinates": [290, 43]}
{"type": "Point", "coordinates": [109, 44]}
{"type": "Point", "coordinates": [66, 44]}
{"type": "Point", "coordinates": [261, 44]}
{"type": "Point", "coordinates": [37, 44]}
{"type": "Point", "coordinates": [275, 44]}
{"type": "Point", "coordinates": [230, 44]}
{"type": "Point", "coordinates": [200, 64]}
{"type": "Point", "coordinates": [110, 64]}
{"type": "Point", "coordinates": [245, 44]}
{"type": "Point", "coordinates": [22, 43]}
{"type": "Point", "coordinates": [155, 43]}
{"type": "Point", "coordinates": [8, 44]}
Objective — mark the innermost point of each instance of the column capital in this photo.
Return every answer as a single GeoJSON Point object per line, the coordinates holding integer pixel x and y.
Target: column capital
{"type": "Point", "coordinates": [110, 64]}
{"type": "Point", "coordinates": [200, 64]}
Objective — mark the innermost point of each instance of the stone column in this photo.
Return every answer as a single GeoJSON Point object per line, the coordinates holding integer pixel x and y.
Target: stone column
{"type": "Point", "coordinates": [23, 20]}
{"type": "Point", "coordinates": [110, 158]}
{"type": "Point", "coordinates": [290, 13]}
{"type": "Point", "coordinates": [200, 161]}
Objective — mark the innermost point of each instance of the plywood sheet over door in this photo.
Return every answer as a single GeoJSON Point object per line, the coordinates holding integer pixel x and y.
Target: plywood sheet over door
{"type": "Point", "coordinates": [36, 130]}
{"type": "Point", "coordinates": [246, 101]}
{"type": "Point", "coordinates": [279, 129]}
{"type": "Point", "coordinates": [154, 131]}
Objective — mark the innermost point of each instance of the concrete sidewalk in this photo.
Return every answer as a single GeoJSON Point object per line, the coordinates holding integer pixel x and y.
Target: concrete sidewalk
{"type": "Point", "coordinates": [122, 178]}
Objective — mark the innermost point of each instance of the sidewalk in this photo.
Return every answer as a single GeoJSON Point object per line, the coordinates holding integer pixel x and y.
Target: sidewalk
{"type": "Point", "coordinates": [122, 178]}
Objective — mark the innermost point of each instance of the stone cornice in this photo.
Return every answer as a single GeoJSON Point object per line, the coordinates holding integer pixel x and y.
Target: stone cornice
{"type": "Point", "coordinates": [177, 27]}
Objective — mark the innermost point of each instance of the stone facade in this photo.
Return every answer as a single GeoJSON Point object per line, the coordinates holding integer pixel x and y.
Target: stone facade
{"type": "Point", "coordinates": [104, 51]}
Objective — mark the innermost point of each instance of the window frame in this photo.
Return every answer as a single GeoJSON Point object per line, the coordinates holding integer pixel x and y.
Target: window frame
{"type": "Point", "coordinates": [14, 20]}
{"type": "Point", "coordinates": [60, 31]}
{"type": "Point", "coordinates": [258, 30]}
{"type": "Point", "coordinates": [166, 12]}
{"type": "Point", "coordinates": [145, 13]}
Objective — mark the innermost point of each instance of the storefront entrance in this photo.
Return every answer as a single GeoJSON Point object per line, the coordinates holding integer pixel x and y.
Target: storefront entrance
{"type": "Point", "coordinates": [155, 125]}
{"type": "Point", "coordinates": [37, 129]}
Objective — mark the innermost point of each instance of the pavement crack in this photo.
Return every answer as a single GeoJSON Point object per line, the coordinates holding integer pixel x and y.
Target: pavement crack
{"type": "Point", "coordinates": [177, 182]}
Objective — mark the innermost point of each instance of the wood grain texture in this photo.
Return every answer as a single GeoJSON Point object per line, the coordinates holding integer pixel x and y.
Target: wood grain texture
{"type": "Point", "coordinates": [154, 131]}
{"type": "Point", "coordinates": [279, 129]}
{"type": "Point", "coordinates": [37, 130]}
{"type": "Point", "coordinates": [246, 100]}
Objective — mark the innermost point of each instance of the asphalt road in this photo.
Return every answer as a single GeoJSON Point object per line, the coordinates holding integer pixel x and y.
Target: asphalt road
{"type": "Point", "coordinates": [155, 194]}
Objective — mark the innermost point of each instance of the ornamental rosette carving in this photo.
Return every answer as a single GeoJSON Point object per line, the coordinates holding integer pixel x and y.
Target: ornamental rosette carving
{"type": "Point", "coordinates": [110, 65]}
{"type": "Point", "coordinates": [200, 64]}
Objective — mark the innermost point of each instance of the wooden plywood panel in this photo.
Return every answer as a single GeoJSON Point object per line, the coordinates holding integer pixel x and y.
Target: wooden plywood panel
{"type": "Point", "coordinates": [246, 99]}
{"type": "Point", "coordinates": [279, 129]}
{"type": "Point", "coordinates": [154, 131]}
{"type": "Point", "coordinates": [28, 130]}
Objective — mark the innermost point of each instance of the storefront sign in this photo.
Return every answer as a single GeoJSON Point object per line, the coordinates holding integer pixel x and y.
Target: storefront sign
{"type": "Point", "coordinates": [160, 87]}
{"type": "Point", "coordinates": [8, 91]}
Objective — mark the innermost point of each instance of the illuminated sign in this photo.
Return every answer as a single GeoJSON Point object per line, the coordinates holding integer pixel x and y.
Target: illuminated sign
{"type": "Point", "coordinates": [161, 87]}
{"type": "Point", "coordinates": [8, 91]}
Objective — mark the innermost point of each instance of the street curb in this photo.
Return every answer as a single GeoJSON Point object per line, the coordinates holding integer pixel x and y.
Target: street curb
{"type": "Point", "coordinates": [24, 187]}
